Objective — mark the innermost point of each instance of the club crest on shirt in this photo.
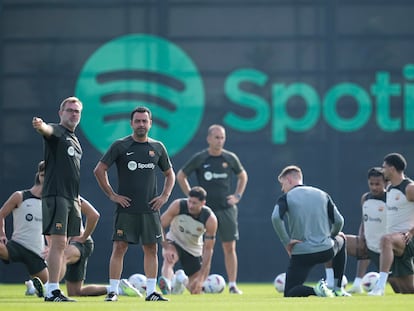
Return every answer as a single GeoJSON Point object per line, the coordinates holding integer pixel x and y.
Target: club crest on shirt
{"type": "Point", "coordinates": [151, 153]}
{"type": "Point", "coordinates": [71, 151]}
{"type": "Point", "coordinates": [225, 164]}
{"type": "Point", "coordinates": [132, 165]}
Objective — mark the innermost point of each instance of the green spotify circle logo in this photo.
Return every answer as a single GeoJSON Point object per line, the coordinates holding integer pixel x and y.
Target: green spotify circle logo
{"type": "Point", "coordinates": [140, 70]}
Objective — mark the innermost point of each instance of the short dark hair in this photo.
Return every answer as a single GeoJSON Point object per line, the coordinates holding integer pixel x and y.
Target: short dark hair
{"type": "Point", "coordinates": [376, 172]}
{"type": "Point", "coordinates": [141, 109]}
{"type": "Point", "coordinates": [40, 168]}
{"type": "Point", "coordinates": [396, 160]}
{"type": "Point", "coordinates": [198, 192]}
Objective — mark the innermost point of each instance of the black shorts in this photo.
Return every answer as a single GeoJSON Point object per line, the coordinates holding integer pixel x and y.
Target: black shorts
{"type": "Point", "coordinates": [61, 216]}
{"type": "Point", "coordinates": [18, 253]}
{"type": "Point", "coordinates": [137, 228]}
{"type": "Point", "coordinates": [403, 265]}
{"type": "Point", "coordinates": [77, 272]}
{"type": "Point", "coordinates": [374, 257]}
{"type": "Point", "coordinates": [228, 227]}
{"type": "Point", "coordinates": [190, 263]}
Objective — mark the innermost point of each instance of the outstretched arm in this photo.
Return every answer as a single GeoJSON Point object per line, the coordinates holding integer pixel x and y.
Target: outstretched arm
{"type": "Point", "coordinates": [42, 127]}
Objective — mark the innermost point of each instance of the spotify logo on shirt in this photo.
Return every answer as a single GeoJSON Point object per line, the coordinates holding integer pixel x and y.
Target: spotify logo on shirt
{"type": "Point", "coordinates": [140, 70]}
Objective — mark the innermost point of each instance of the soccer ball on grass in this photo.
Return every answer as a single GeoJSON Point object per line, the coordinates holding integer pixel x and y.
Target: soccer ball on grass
{"type": "Point", "coordinates": [369, 281]}
{"type": "Point", "coordinates": [279, 282]}
{"type": "Point", "coordinates": [139, 281]}
{"type": "Point", "coordinates": [214, 284]}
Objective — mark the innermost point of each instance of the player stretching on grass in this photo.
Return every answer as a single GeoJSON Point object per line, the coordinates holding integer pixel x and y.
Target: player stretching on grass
{"type": "Point", "coordinates": [366, 245]}
{"type": "Point", "coordinates": [27, 244]}
{"type": "Point", "coordinates": [313, 224]}
{"type": "Point", "coordinates": [75, 261]}
{"type": "Point", "coordinates": [398, 243]}
{"type": "Point", "coordinates": [214, 168]}
{"type": "Point", "coordinates": [189, 221]}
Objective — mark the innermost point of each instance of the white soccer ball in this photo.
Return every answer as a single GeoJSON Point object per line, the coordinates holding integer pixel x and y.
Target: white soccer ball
{"type": "Point", "coordinates": [279, 282]}
{"type": "Point", "coordinates": [139, 281]}
{"type": "Point", "coordinates": [369, 281]}
{"type": "Point", "coordinates": [214, 284]}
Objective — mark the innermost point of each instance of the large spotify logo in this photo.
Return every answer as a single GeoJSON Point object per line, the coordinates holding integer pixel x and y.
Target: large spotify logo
{"type": "Point", "coordinates": [140, 70]}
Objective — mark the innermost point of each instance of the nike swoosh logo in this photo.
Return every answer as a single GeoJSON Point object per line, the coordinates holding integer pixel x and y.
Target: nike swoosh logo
{"type": "Point", "coordinates": [158, 236]}
{"type": "Point", "coordinates": [129, 153]}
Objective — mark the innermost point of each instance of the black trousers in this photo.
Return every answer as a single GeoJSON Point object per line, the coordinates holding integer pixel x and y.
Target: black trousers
{"type": "Point", "coordinates": [301, 265]}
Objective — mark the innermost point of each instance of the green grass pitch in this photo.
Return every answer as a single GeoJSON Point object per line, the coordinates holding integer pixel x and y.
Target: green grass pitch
{"type": "Point", "coordinates": [260, 297]}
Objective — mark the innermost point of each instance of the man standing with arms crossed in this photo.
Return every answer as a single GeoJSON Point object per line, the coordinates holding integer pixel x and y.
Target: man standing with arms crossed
{"type": "Point", "coordinates": [137, 218]}
{"type": "Point", "coordinates": [60, 196]}
{"type": "Point", "coordinates": [214, 168]}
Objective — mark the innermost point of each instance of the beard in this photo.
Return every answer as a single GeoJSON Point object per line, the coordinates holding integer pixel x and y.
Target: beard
{"type": "Point", "coordinates": [141, 132]}
{"type": "Point", "coordinates": [71, 124]}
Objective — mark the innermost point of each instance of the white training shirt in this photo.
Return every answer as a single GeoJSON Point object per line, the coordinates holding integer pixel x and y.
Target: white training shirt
{"type": "Point", "coordinates": [400, 211]}
{"type": "Point", "coordinates": [187, 231]}
{"type": "Point", "coordinates": [27, 223]}
{"type": "Point", "coordinates": [374, 214]}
